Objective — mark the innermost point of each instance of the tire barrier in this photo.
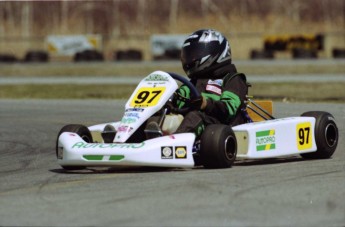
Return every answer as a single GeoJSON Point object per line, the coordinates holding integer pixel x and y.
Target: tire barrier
{"type": "Point", "coordinates": [301, 53]}
{"type": "Point", "coordinates": [261, 54]}
{"type": "Point", "coordinates": [338, 53]}
{"type": "Point", "coordinates": [88, 55]}
{"type": "Point", "coordinates": [128, 55]}
{"type": "Point", "coordinates": [290, 42]}
{"type": "Point", "coordinates": [300, 46]}
{"type": "Point", "coordinates": [36, 56]}
{"type": "Point", "coordinates": [173, 54]}
{"type": "Point", "coordinates": [7, 58]}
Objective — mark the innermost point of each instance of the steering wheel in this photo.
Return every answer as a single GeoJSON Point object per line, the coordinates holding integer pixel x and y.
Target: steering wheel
{"type": "Point", "coordinates": [195, 94]}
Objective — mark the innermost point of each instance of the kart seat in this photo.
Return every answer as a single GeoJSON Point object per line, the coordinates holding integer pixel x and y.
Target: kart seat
{"type": "Point", "coordinates": [260, 110]}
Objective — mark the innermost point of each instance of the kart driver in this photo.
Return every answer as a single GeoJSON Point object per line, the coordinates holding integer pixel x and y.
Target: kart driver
{"type": "Point", "coordinates": [206, 59]}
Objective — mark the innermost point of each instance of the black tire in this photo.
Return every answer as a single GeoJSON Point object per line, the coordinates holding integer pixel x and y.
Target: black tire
{"type": "Point", "coordinates": [120, 55]}
{"type": "Point", "coordinates": [83, 132]}
{"type": "Point", "coordinates": [172, 54]}
{"type": "Point", "coordinates": [326, 135]}
{"type": "Point", "coordinates": [36, 56]}
{"type": "Point", "coordinates": [218, 148]}
{"type": "Point", "coordinates": [301, 53]}
{"type": "Point", "coordinates": [7, 58]}
{"type": "Point", "coordinates": [129, 55]}
{"type": "Point", "coordinates": [261, 54]}
{"type": "Point", "coordinates": [134, 55]}
{"type": "Point", "coordinates": [338, 53]}
{"type": "Point", "coordinates": [88, 56]}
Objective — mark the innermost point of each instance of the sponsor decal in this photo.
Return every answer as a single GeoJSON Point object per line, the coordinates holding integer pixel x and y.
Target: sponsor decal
{"type": "Point", "coordinates": [128, 120]}
{"type": "Point", "coordinates": [131, 114]}
{"type": "Point", "coordinates": [156, 77]}
{"type": "Point", "coordinates": [68, 45]}
{"type": "Point", "coordinates": [167, 152]}
{"type": "Point", "coordinates": [134, 110]}
{"type": "Point", "coordinates": [265, 140]}
{"type": "Point", "coordinates": [218, 82]}
{"type": "Point", "coordinates": [181, 152]}
{"type": "Point", "coordinates": [214, 89]}
{"type": "Point", "coordinates": [83, 145]}
{"type": "Point", "coordinates": [124, 128]}
{"type": "Point", "coordinates": [104, 157]}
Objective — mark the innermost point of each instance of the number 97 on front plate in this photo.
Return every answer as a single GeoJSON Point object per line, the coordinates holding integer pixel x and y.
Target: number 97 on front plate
{"type": "Point", "coordinates": [147, 96]}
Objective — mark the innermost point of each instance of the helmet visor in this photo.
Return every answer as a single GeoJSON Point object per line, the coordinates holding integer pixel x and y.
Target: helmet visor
{"type": "Point", "coordinates": [191, 55]}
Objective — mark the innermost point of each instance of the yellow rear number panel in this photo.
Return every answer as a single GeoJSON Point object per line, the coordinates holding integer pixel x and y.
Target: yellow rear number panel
{"type": "Point", "coordinates": [304, 136]}
{"type": "Point", "coordinates": [147, 96]}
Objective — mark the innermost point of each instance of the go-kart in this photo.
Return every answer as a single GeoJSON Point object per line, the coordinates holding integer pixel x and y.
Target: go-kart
{"type": "Point", "coordinates": [130, 142]}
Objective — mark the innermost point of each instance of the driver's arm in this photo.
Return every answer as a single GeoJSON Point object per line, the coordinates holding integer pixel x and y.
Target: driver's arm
{"type": "Point", "coordinates": [232, 98]}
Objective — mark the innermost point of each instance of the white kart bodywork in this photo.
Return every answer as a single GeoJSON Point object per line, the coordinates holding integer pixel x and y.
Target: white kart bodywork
{"type": "Point", "coordinates": [266, 139]}
{"type": "Point", "coordinates": [275, 138]}
{"type": "Point", "coordinates": [161, 151]}
{"type": "Point", "coordinates": [167, 151]}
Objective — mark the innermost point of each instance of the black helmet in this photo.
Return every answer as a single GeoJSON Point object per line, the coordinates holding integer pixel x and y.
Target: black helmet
{"type": "Point", "coordinates": [203, 51]}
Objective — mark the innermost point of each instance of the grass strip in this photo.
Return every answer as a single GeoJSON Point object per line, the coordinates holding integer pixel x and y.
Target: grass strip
{"type": "Point", "coordinates": [295, 91]}
{"type": "Point", "coordinates": [334, 92]}
{"type": "Point", "coordinates": [141, 68]}
{"type": "Point", "coordinates": [38, 91]}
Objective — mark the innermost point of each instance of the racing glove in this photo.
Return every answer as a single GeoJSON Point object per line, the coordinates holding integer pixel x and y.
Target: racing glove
{"type": "Point", "coordinates": [198, 104]}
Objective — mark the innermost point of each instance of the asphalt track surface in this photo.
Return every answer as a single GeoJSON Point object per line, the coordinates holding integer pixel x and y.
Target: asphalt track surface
{"type": "Point", "coordinates": [35, 191]}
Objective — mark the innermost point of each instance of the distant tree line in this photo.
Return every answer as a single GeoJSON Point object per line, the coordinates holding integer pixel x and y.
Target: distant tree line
{"type": "Point", "coordinates": [125, 17]}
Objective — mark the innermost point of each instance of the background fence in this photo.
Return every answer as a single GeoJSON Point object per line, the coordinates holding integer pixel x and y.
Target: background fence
{"type": "Point", "coordinates": [129, 24]}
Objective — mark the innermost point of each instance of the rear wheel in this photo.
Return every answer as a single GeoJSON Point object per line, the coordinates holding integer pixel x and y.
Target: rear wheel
{"type": "Point", "coordinates": [83, 132]}
{"type": "Point", "coordinates": [218, 148]}
{"type": "Point", "coordinates": [326, 135]}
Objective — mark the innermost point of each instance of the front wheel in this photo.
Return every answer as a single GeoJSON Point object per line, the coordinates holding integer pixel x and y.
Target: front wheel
{"type": "Point", "coordinates": [83, 132]}
{"type": "Point", "coordinates": [326, 135]}
{"type": "Point", "coordinates": [218, 148]}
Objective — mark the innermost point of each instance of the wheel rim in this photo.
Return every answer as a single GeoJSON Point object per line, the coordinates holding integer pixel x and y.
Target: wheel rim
{"type": "Point", "coordinates": [230, 147]}
{"type": "Point", "coordinates": [331, 135]}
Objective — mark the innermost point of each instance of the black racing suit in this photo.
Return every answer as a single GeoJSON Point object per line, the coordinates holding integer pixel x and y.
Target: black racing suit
{"type": "Point", "coordinates": [225, 94]}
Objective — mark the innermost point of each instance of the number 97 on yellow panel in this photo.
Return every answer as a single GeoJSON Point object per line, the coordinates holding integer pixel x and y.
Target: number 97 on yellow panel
{"type": "Point", "coordinates": [304, 136]}
{"type": "Point", "coordinates": [147, 96]}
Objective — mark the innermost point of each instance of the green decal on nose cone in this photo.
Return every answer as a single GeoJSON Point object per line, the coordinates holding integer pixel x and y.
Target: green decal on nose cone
{"type": "Point", "coordinates": [116, 157]}
{"type": "Point", "coordinates": [104, 157]}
